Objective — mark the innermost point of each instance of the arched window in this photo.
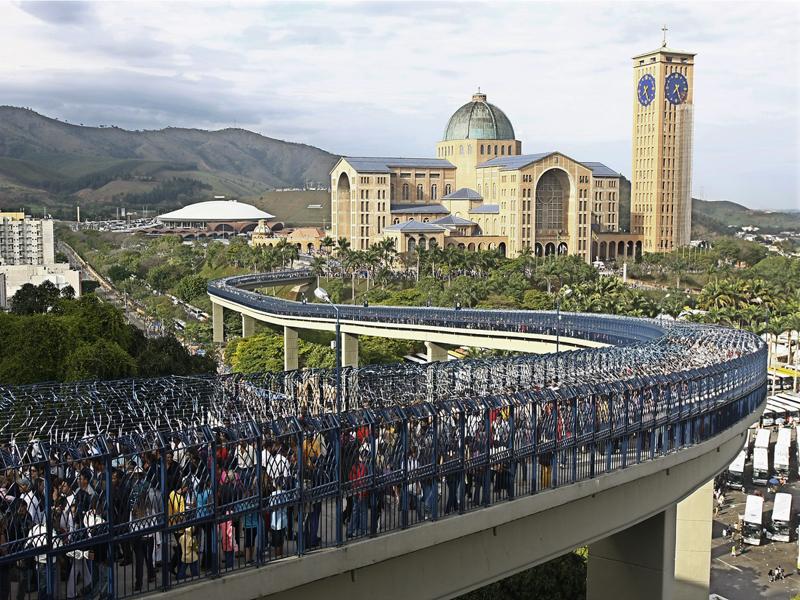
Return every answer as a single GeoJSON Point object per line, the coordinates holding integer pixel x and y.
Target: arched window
{"type": "Point", "coordinates": [509, 149]}
{"type": "Point", "coordinates": [469, 149]}
{"type": "Point", "coordinates": [495, 149]}
{"type": "Point", "coordinates": [494, 190]}
{"type": "Point", "coordinates": [420, 192]}
{"type": "Point", "coordinates": [461, 149]}
{"type": "Point", "coordinates": [502, 150]}
{"type": "Point", "coordinates": [395, 221]}
{"type": "Point", "coordinates": [479, 189]}
{"type": "Point", "coordinates": [447, 190]}
{"type": "Point", "coordinates": [434, 194]}
{"type": "Point", "coordinates": [481, 148]}
{"type": "Point", "coordinates": [405, 191]}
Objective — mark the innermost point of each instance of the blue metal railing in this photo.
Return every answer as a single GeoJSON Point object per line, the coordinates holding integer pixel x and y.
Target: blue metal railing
{"type": "Point", "coordinates": [141, 509]}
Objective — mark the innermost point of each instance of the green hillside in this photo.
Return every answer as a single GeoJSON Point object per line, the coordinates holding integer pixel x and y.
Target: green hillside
{"type": "Point", "coordinates": [710, 218]}
{"type": "Point", "coordinates": [45, 163]}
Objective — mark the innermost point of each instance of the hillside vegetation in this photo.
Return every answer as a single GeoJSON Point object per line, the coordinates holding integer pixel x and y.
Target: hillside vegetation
{"type": "Point", "coordinates": [710, 218]}
{"type": "Point", "coordinates": [46, 162]}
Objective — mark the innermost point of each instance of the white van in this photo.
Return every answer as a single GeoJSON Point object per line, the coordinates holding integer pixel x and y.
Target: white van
{"type": "Point", "coordinates": [735, 475]}
{"type": "Point", "coordinates": [760, 466]}
{"type": "Point", "coordinates": [780, 530]}
{"type": "Point", "coordinates": [751, 522]}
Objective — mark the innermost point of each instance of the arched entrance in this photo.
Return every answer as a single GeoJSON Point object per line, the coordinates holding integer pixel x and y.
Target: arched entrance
{"type": "Point", "coordinates": [343, 206]}
{"type": "Point", "coordinates": [412, 244]}
{"type": "Point", "coordinates": [562, 249]}
{"type": "Point", "coordinates": [538, 249]}
{"type": "Point", "coordinates": [638, 249]}
{"type": "Point", "coordinates": [471, 247]}
{"type": "Point", "coordinates": [552, 202]}
{"type": "Point", "coordinates": [550, 249]}
{"type": "Point", "coordinates": [603, 251]}
{"type": "Point", "coordinates": [621, 249]}
{"type": "Point", "coordinates": [502, 248]}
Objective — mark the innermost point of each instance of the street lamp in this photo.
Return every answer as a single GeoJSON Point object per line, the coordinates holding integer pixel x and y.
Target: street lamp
{"type": "Point", "coordinates": [323, 296]}
{"type": "Point", "coordinates": [566, 291]}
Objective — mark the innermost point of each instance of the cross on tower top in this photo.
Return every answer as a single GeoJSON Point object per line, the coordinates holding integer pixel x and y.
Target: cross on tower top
{"type": "Point", "coordinates": [664, 40]}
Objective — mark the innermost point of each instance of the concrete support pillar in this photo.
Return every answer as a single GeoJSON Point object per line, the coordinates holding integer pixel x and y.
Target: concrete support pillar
{"type": "Point", "coordinates": [218, 321]}
{"type": "Point", "coordinates": [436, 352]}
{"type": "Point", "coordinates": [349, 350]}
{"type": "Point", "coordinates": [290, 352]}
{"type": "Point", "coordinates": [636, 563]}
{"type": "Point", "coordinates": [248, 326]}
{"type": "Point", "coordinates": [693, 545]}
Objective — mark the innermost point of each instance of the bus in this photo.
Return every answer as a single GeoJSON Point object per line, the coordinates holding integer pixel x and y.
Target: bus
{"type": "Point", "coordinates": [751, 522]}
{"type": "Point", "coordinates": [760, 466]}
{"type": "Point", "coordinates": [780, 529]}
{"type": "Point", "coordinates": [780, 461]}
{"type": "Point", "coordinates": [735, 476]}
{"type": "Point", "coordinates": [762, 439]}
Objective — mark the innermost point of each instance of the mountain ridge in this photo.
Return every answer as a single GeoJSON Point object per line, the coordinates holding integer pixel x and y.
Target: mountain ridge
{"type": "Point", "coordinates": [55, 154]}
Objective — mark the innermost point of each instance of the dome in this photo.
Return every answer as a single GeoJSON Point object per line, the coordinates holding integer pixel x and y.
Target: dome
{"type": "Point", "coordinates": [479, 120]}
{"type": "Point", "coordinates": [216, 210]}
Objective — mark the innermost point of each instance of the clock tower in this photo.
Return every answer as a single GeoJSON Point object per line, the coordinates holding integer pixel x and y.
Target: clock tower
{"type": "Point", "coordinates": [661, 189]}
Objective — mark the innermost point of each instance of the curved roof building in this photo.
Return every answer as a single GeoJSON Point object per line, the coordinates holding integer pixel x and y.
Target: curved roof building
{"type": "Point", "coordinates": [478, 120]}
{"type": "Point", "coordinates": [216, 215]}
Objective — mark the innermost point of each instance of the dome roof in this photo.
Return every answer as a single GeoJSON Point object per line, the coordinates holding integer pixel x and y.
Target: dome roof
{"type": "Point", "coordinates": [479, 120]}
{"type": "Point", "coordinates": [217, 210]}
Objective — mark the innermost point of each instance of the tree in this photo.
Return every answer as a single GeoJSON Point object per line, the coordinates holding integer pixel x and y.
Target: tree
{"type": "Point", "coordinates": [34, 299]}
{"type": "Point", "coordinates": [101, 359]}
{"type": "Point", "coordinates": [190, 287]}
{"type": "Point", "coordinates": [563, 578]}
{"type": "Point", "coordinates": [262, 352]}
{"type": "Point", "coordinates": [118, 273]}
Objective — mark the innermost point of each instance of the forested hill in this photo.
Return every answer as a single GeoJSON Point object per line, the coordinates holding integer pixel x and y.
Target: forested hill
{"type": "Point", "coordinates": [44, 161]}
{"type": "Point", "coordinates": [724, 217]}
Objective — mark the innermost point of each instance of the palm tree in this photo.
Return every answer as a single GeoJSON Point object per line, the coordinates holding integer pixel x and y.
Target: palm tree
{"type": "Point", "coordinates": [326, 244]}
{"type": "Point", "coordinates": [318, 266]}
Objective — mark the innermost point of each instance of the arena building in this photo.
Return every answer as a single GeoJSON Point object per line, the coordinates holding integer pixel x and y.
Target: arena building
{"type": "Point", "coordinates": [482, 192]}
{"type": "Point", "coordinates": [213, 218]}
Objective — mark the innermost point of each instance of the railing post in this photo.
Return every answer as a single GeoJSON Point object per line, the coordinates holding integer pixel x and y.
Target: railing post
{"type": "Point", "coordinates": [111, 559]}
{"type": "Point", "coordinates": [49, 570]}
{"type": "Point", "coordinates": [626, 400]}
{"type": "Point", "coordinates": [214, 528]}
{"type": "Point", "coordinates": [260, 535]}
{"type": "Point", "coordinates": [462, 488]}
{"type": "Point", "coordinates": [435, 476]}
{"type": "Point", "coordinates": [574, 461]}
{"type": "Point", "coordinates": [404, 487]}
{"type": "Point", "coordinates": [338, 524]}
{"type": "Point", "coordinates": [301, 467]}
{"type": "Point", "coordinates": [593, 445]}
{"type": "Point", "coordinates": [165, 534]}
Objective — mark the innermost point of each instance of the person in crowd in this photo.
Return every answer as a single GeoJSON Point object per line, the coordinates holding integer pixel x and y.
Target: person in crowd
{"type": "Point", "coordinates": [190, 555]}
{"type": "Point", "coordinates": [227, 537]}
{"type": "Point", "coordinates": [278, 520]}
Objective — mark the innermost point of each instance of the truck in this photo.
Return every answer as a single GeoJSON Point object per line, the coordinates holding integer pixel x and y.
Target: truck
{"type": "Point", "coordinates": [751, 521]}
{"type": "Point", "coordinates": [780, 528]}
{"type": "Point", "coordinates": [735, 476]}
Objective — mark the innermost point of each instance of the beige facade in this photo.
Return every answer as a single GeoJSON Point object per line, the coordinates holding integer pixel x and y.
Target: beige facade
{"type": "Point", "coordinates": [25, 241]}
{"type": "Point", "coordinates": [663, 104]}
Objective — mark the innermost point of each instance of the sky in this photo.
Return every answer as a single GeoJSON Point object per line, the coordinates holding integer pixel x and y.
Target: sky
{"type": "Point", "coordinates": [382, 78]}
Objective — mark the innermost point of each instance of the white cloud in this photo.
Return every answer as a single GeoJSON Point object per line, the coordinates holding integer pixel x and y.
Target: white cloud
{"type": "Point", "coordinates": [366, 78]}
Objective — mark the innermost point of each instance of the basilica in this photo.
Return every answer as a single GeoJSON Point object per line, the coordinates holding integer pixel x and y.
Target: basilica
{"type": "Point", "coordinates": [481, 192]}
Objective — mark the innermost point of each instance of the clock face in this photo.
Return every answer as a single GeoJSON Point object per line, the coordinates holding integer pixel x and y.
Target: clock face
{"type": "Point", "coordinates": [646, 90]}
{"type": "Point", "coordinates": [676, 88]}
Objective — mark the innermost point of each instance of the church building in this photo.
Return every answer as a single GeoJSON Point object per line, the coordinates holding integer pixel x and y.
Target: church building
{"type": "Point", "coordinates": [481, 192]}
